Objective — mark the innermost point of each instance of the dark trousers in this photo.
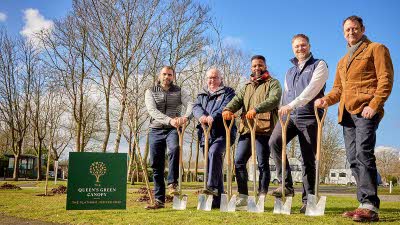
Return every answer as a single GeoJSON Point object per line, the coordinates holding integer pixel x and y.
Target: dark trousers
{"type": "Point", "coordinates": [159, 140]}
{"type": "Point", "coordinates": [243, 154]}
{"type": "Point", "coordinates": [216, 150]}
{"type": "Point", "coordinates": [359, 138]}
{"type": "Point", "coordinates": [306, 130]}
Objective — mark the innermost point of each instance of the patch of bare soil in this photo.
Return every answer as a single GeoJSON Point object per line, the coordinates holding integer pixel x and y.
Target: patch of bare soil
{"type": "Point", "coordinates": [9, 186]}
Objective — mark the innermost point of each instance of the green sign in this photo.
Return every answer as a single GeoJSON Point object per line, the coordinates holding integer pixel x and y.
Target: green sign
{"type": "Point", "coordinates": [96, 181]}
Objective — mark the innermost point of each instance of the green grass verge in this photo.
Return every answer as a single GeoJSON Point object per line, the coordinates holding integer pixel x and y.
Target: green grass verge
{"type": "Point", "coordinates": [25, 204]}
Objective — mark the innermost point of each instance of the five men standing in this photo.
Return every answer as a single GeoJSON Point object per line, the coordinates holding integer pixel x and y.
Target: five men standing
{"type": "Point", "coordinates": [363, 82]}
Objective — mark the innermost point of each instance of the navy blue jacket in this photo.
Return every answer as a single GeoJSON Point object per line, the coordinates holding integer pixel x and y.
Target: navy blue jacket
{"type": "Point", "coordinates": [212, 104]}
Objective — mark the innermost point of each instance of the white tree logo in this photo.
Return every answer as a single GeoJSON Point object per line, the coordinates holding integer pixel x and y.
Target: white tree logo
{"type": "Point", "coordinates": [98, 169]}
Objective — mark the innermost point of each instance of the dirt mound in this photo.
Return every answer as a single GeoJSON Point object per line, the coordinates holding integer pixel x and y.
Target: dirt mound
{"type": "Point", "coordinates": [9, 186]}
{"type": "Point", "coordinates": [143, 191]}
{"type": "Point", "coordinates": [59, 190]}
{"type": "Point", "coordinates": [145, 198]}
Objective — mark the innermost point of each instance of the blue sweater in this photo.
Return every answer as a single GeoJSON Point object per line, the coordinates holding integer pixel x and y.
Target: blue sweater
{"type": "Point", "coordinates": [212, 104]}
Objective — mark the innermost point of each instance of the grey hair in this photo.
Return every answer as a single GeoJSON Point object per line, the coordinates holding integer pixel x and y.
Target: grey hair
{"type": "Point", "coordinates": [213, 68]}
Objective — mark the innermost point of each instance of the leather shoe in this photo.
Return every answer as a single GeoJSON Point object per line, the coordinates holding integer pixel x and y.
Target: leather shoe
{"type": "Point", "coordinates": [156, 205]}
{"type": "Point", "coordinates": [349, 214]}
{"type": "Point", "coordinates": [365, 215]}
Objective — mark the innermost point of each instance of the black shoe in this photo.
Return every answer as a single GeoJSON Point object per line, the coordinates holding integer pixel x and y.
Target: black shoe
{"type": "Point", "coordinates": [303, 208]}
{"type": "Point", "coordinates": [210, 191]}
{"type": "Point", "coordinates": [289, 192]}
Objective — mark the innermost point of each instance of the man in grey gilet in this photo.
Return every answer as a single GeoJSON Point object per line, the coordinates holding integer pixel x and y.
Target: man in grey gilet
{"type": "Point", "coordinates": [164, 102]}
{"type": "Point", "coordinates": [304, 82]}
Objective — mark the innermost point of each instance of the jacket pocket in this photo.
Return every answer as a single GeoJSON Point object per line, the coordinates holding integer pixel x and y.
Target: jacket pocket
{"type": "Point", "coordinates": [263, 122]}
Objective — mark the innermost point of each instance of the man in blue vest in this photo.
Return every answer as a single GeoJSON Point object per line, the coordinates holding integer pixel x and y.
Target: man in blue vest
{"type": "Point", "coordinates": [164, 102]}
{"type": "Point", "coordinates": [304, 83]}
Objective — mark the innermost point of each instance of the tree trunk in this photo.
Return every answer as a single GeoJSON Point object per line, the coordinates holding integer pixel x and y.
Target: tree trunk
{"type": "Point", "coordinates": [47, 172]}
{"type": "Point", "coordinates": [108, 127]}
{"type": "Point", "coordinates": [39, 165]}
{"type": "Point", "coordinates": [120, 120]}
{"type": "Point", "coordinates": [55, 170]}
{"type": "Point", "coordinates": [16, 167]}
{"type": "Point", "coordinates": [131, 154]}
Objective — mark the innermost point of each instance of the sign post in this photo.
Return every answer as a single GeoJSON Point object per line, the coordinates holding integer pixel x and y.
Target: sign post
{"type": "Point", "coordinates": [96, 181]}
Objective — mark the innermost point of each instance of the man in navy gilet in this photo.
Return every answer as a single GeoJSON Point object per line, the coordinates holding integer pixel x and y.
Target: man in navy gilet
{"type": "Point", "coordinates": [164, 102]}
{"type": "Point", "coordinates": [304, 83]}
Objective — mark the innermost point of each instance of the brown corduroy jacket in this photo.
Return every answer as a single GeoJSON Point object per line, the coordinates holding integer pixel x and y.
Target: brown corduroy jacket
{"type": "Point", "coordinates": [365, 80]}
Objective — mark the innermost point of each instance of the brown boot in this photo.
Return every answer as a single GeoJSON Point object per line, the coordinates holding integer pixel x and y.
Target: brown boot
{"type": "Point", "coordinates": [365, 215]}
{"type": "Point", "coordinates": [156, 205]}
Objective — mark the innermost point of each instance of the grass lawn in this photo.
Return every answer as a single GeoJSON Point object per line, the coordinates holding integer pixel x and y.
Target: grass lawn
{"type": "Point", "coordinates": [25, 204]}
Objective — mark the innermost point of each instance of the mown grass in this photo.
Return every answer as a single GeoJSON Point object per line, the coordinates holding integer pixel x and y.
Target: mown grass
{"type": "Point", "coordinates": [25, 204]}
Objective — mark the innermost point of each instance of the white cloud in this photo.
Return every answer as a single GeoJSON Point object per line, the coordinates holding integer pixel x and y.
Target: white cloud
{"type": "Point", "coordinates": [232, 41]}
{"type": "Point", "coordinates": [34, 23]}
{"type": "Point", "coordinates": [3, 17]}
{"type": "Point", "coordinates": [386, 148]}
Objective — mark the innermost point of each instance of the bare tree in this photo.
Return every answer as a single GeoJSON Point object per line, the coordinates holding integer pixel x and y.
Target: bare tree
{"type": "Point", "coordinates": [102, 18]}
{"type": "Point", "coordinates": [15, 93]}
{"type": "Point", "coordinates": [387, 161]}
{"type": "Point", "coordinates": [332, 152]}
{"type": "Point", "coordinates": [138, 17]}
{"type": "Point", "coordinates": [39, 112]}
{"type": "Point", "coordinates": [66, 49]}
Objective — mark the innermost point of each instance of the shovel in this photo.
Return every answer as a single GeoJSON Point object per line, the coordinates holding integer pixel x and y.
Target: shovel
{"type": "Point", "coordinates": [316, 204]}
{"type": "Point", "coordinates": [283, 205]}
{"type": "Point", "coordinates": [228, 201]}
{"type": "Point", "coordinates": [179, 202]}
{"type": "Point", "coordinates": [205, 201]}
{"type": "Point", "coordinates": [252, 205]}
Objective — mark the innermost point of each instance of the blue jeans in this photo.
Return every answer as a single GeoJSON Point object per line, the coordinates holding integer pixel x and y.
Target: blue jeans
{"type": "Point", "coordinates": [306, 130]}
{"type": "Point", "coordinates": [159, 140]}
{"type": "Point", "coordinates": [243, 154]}
{"type": "Point", "coordinates": [216, 152]}
{"type": "Point", "coordinates": [359, 139]}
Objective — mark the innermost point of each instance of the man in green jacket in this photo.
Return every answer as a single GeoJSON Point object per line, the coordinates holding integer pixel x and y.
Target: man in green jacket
{"type": "Point", "coordinates": [259, 99]}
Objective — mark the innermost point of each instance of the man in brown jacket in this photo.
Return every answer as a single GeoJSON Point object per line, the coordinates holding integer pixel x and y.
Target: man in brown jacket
{"type": "Point", "coordinates": [363, 82]}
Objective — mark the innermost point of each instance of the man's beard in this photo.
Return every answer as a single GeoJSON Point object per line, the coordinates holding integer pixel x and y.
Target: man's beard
{"type": "Point", "coordinates": [257, 74]}
{"type": "Point", "coordinates": [167, 82]}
